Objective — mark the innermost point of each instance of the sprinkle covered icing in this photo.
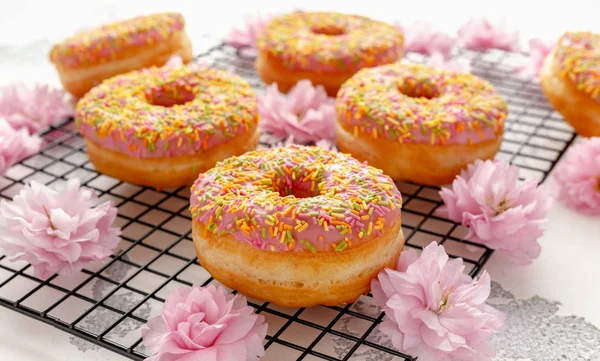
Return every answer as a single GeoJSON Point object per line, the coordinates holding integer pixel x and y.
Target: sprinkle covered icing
{"type": "Point", "coordinates": [114, 41]}
{"type": "Point", "coordinates": [578, 57]}
{"type": "Point", "coordinates": [295, 198]}
{"type": "Point", "coordinates": [412, 103]}
{"type": "Point", "coordinates": [163, 112]}
{"type": "Point", "coordinates": [330, 42]}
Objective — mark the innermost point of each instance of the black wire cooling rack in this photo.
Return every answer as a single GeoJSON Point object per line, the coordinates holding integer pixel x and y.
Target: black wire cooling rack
{"type": "Point", "coordinates": [107, 303]}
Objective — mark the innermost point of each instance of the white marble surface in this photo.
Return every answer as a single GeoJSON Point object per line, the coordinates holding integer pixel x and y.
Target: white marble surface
{"type": "Point", "coordinates": [567, 270]}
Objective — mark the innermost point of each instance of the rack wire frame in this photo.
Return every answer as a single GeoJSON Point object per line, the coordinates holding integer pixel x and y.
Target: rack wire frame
{"type": "Point", "coordinates": [108, 303]}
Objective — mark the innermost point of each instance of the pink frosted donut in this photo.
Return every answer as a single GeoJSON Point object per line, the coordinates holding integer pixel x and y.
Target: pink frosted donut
{"type": "Point", "coordinates": [296, 226]}
{"type": "Point", "coordinates": [418, 123]}
{"type": "Point", "coordinates": [570, 79]}
{"type": "Point", "coordinates": [86, 58]}
{"type": "Point", "coordinates": [325, 48]}
{"type": "Point", "coordinates": [161, 126]}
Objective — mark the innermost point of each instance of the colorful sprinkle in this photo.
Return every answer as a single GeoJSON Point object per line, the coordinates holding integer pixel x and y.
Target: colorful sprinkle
{"type": "Point", "coordinates": [578, 57]}
{"type": "Point", "coordinates": [164, 112]}
{"type": "Point", "coordinates": [117, 40]}
{"type": "Point", "coordinates": [412, 103]}
{"type": "Point", "coordinates": [338, 213]}
{"type": "Point", "coordinates": [330, 42]}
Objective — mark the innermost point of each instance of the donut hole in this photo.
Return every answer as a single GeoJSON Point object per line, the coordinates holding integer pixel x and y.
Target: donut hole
{"type": "Point", "coordinates": [295, 190]}
{"type": "Point", "coordinates": [329, 30]}
{"type": "Point", "coordinates": [418, 90]}
{"type": "Point", "coordinates": [297, 187]}
{"type": "Point", "coordinates": [170, 95]}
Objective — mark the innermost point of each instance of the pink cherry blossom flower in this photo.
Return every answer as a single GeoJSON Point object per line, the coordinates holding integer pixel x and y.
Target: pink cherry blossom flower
{"type": "Point", "coordinates": [326, 144]}
{"type": "Point", "coordinates": [436, 60]}
{"type": "Point", "coordinates": [434, 311]}
{"type": "Point", "coordinates": [174, 61]}
{"type": "Point", "coordinates": [305, 112]}
{"type": "Point", "coordinates": [57, 232]}
{"type": "Point", "coordinates": [248, 36]}
{"type": "Point", "coordinates": [479, 34]}
{"type": "Point", "coordinates": [270, 141]}
{"type": "Point", "coordinates": [578, 177]}
{"type": "Point", "coordinates": [538, 51]}
{"type": "Point", "coordinates": [501, 213]}
{"type": "Point", "coordinates": [15, 145]}
{"type": "Point", "coordinates": [273, 142]}
{"type": "Point", "coordinates": [421, 37]}
{"type": "Point", "coordinates": [34, 108]}
{"type": "Point", "coordinates": [205, 323]}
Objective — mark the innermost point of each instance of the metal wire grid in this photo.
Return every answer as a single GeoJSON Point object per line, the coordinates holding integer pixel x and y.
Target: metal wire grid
{"type": "Point", "coordinates": [107, 303]}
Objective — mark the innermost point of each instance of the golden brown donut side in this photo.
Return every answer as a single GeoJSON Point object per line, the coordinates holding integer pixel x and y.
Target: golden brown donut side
{"type": "Point", "coordinates": [428, 164]}
{"type": "Point", "coordinates": [578, 108]}
{"type": "Point", "coordinates": [166, 172]}
{"type": "Point", "coordinates": [297, 279]}
{"type": "Point", "coordinates": [78, 81]}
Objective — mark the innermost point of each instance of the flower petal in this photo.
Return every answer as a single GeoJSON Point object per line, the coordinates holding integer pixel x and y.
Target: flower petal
{"type": "Point", "coordinates": [236, 351]}
{"type": "Point", "coordinates": [248, 36]}
{"type": "Point", "coordinates": [154, 333]}
{"type": "Point", "coordinates": [407, 257]}
{"type": "Point", "coordinates": [475, 293]}
{"type": "Point", "coordinates": [208, 354]}
{"type": "Point", "coordinates": [206, 335]}
{"type": "Point", "coordinates": [15, 145]}
{"type": "Point", "coordinates": [447, 342]}
{"type": "Point", "coordinates": [462, 319]}
{"type": "Point", "coordinates": [63, 223]}
{"type": "Point", "coordinates": [237, 328]}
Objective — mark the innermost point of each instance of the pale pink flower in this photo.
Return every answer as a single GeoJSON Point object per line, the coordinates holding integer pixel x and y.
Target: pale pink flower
{"type": "Point", "coordinates": [479, 34]}
{"type": "Point", "coordinates": [327, 145]}
{"type": "Point", "coordinates": [248, 36]}
{"type": "Point", "coordinates": [434, 311]}
{"type": "Point", "coordinates": [34, 108]}
{"type": "Point", "coordinates": [305, 112]}
{"type": "Point", "coordinates": [273, 142]}
{"type": "Point", "coordinates": [174, 61]}
{"type": "Point", "coordinates": [205, 323]}
{"type": "Point", "coordinates": [501, 213]}
{"type": "Point", "coordinates": [57, 232]}
{"type": "Point", "coordinates": [439, 62]}
{"type": "Point", "coordinates": [15, 145]}
{"type": "Point", "coordinates": [538, 51]}
{"type": "Point", "coordinates": [421, 37]}
{"type": "Point", "coordinates": [578, 176]}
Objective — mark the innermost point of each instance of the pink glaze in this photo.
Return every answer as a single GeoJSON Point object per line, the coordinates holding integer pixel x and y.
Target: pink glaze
{"type": "Point", "coordinates": [295, 198]}
{"type": "Point", "coordinates": [166, 112]}
{"type": "Point", "coordinates": [412, 103]}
